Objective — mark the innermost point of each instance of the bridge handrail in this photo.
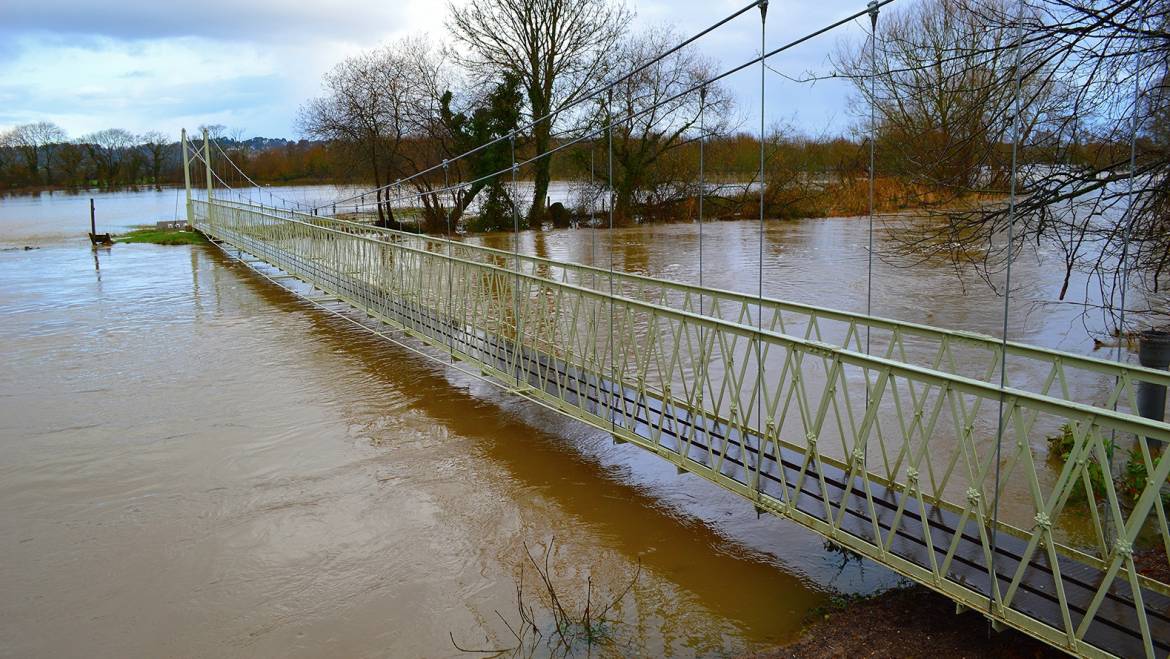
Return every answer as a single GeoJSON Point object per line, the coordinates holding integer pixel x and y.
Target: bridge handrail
{"type": "Point", "coordinates": [1126, 421]}
{"type": "Point", "coordinates": [1102, 366]}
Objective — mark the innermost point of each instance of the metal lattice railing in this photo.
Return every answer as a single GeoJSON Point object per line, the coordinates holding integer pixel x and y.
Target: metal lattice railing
{"type": "Point", "coordinates": [892, 454]}
{"type": "Point", "coordinates": [1040, 370]}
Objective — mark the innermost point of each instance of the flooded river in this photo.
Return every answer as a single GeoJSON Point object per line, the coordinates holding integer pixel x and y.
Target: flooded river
{"type": "Point", "coordinates": [195, 463]}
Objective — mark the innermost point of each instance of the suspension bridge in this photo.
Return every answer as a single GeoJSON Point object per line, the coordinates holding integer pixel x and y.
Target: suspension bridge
{"type": "Point", "coordinates": [920, 448]}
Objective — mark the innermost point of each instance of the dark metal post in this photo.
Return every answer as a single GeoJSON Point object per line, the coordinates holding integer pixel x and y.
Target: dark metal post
{"type": "Point", "coordinates": [1153, 352]}
{"type": "Point", "coordinates": [92, 220]}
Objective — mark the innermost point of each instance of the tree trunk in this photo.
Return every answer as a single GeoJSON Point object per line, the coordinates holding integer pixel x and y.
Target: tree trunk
{"type": "Point", "coordinates": [623, 207]}
{"type": "Point", "coordinates": [541, 174]}
{"type": "Point", "coordinates": [381, 211]}
{"type": "Point", "coordinates": [465, 201]}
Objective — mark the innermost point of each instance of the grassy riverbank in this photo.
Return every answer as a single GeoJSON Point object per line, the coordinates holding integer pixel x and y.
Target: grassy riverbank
{"type": "Point", "coordinates": [905, 622]}
{"type": "Point", "coordinates": [162, 237]}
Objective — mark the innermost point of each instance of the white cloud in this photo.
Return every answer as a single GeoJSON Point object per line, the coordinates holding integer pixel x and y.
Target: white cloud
{"type": "Point", "coordinates": [145, 65]}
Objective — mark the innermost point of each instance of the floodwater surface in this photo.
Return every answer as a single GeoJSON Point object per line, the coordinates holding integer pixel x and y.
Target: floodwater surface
{"type": "Point", "coordinates": [194, 462]}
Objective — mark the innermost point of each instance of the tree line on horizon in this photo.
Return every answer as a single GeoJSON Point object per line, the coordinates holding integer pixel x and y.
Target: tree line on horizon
{"type": "Point", "coordinates": [42, 156]}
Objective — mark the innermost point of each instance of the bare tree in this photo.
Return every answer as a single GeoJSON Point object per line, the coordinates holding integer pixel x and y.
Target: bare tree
{"type": "Point", "coordinates": [36, 144]}
{"type": "Point", "coordinates": [653, 116]}
{"type": "Point", "coordinates": [71, 163]}
{"type": "Point", "coordinates": [157, 148]}
{"type": "Point", "coordinates": [942, 93]}
{"type": "Point", "coordinates": [374, 104]}
{"type": "Point", "coordinates": [1092, 78]}
{"type": "Point", "coordinates": [6, 152]}
{"type": "Point", "coordinates": [555, 48]}
{"type": "Point", "coordinates": [216, 131]}
{"type": "Point", "coordinates": [108, 150]}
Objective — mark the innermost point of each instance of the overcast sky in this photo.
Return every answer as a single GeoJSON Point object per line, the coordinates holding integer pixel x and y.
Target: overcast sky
{"type": "Point", "coordinates": [248, 64]}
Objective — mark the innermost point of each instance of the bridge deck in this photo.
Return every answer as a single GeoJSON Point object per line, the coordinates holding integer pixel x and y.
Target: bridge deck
{"type": "Point", "coordinates": [945, 547]}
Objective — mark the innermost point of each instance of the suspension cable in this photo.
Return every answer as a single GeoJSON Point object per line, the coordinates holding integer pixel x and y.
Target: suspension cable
{"type": "Point", "coordinates": [760, 291]}
{"type": "Point", "coordinates": [516, 349]}
{"type": "Point", "coordinates": [702, 190]}
{"type": "Point", "coordinates": [993, 591]}
{"type": "Point", "coordinates": [873, 18]}
{"type": "Point", "coordinates": [592, 214]}
{"type": "Point", "coordinates": [1131, 209]}
{"type": "Point", "coordinates": [450, 262]}
{"type": "Point", "coordinates": [612, 241]}
{"type": "Point", "coordinates": [249, 178]}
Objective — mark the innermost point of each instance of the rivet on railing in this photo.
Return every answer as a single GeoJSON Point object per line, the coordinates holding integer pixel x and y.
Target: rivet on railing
{"type": "Point", "coordinates": [912, 477]}
{"type": "Point", "coordinates": [1123, 547]}
{"type": "Point", "coordinates": [973, 496]}
{"type": "Point", "coordinates": [1043, 521]}
{"type": "Point", "coordinates": [811, 438]}
{"type": "Point", "coordinates": [858, 457]}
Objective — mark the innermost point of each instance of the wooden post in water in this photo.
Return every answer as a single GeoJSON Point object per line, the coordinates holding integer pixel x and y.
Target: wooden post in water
{"type": "Point", "coordinates": [96, 239]}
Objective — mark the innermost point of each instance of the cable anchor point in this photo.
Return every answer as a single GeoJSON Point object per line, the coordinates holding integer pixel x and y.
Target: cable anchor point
{"type": "Point", "coordinates": [763, 5]}
{"type": "Point", "coordinates": [873, 13]}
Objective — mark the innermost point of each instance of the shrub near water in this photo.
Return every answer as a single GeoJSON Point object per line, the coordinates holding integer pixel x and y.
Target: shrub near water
{"type": "Point", "coordinates": [1129, 483]}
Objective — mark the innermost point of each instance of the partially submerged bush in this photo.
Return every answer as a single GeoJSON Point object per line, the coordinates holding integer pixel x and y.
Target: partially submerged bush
{"type": "Point", "coordinates": [558, 628]}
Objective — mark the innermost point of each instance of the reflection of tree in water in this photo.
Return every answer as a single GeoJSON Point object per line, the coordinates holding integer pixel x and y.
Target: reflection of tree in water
{"type": "Point", "coordinates": [634, 254]}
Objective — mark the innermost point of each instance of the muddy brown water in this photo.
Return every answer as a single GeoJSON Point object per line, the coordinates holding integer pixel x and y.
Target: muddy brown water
{"type": "Point", "coordinates": [195, 463]}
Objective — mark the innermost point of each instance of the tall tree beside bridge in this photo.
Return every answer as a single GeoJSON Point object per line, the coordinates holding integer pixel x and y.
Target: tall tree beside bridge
{"type": "Point", "coordinates": [943, 93]}
{"type": "Point", "coordinates": [557, 50]}
{"type": "Point", "coordinates": [157, 147]}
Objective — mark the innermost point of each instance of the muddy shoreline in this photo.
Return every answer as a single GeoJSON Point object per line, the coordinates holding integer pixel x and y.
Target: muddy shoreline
{"type": "Point", "coordinates": [905, 622]}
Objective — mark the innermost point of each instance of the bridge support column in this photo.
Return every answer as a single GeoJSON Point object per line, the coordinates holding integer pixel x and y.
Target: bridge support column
{"type": "Point", "coordinates": [186, 173]}
{"type": "Point", "coordinates": [207, 163]}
